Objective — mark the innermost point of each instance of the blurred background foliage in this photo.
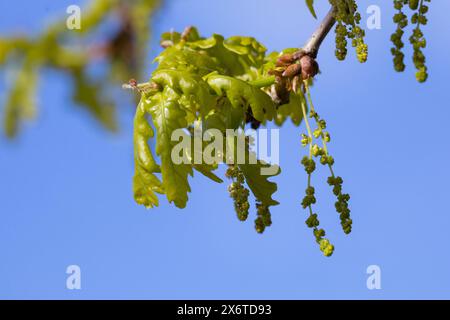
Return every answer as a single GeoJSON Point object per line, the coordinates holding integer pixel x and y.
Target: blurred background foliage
{"type": "Point", "coordinates": [97, 62]}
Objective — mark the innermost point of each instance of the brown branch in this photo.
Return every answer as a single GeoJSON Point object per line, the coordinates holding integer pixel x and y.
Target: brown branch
{"type": "Point", "coordinates": [311, 47]}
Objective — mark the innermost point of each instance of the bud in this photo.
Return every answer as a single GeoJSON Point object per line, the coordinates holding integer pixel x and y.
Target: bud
{"type": "Point", "coordinates": [309, 67]}
{"type": "Point", "coordinates": [166, 44]}
{"type": "Point", "coordinates": [186, 32]}
{"type": "Point", "coordinates": [133, 83]}
{"type": "Point", "coordinates": [413, 4]}
{"type": "Point", "coordinates": [292, 70]}
{"type": "Point", "coordinates": [285, 60]}
{"type": "Point", "coordinates": [299, 54]}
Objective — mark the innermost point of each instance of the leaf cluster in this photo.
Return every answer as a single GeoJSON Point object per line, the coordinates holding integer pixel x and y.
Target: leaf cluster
{"type": "Point", "coordinates": [223, 83]}
{"type": "Point", "coordinates": [74, 53]}
{"type": "Point", "coordinates": [215, 83]}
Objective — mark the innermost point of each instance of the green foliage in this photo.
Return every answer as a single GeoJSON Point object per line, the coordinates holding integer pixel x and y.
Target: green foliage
{"type": "Point", "coordinates": [203, 83]}
{"type": "Point", "coordinates": [418, 9]}
{"type": "Point", "coordinates": [310, 5]}
{"type": "Point", "coordinates": [20, 102]}
{"type": "Point", "coordinates": [201, 79]}
{"type": "Point", "coordinates": [168, 114]}
{"type": "Point", "coordinates": [71, 52]}
{"type": "Point", "coordinates": [217, 83]}
{"type": "Point", "coordinates": [145, 182]}
{"type": "Point", "coordinates": [238, 91]}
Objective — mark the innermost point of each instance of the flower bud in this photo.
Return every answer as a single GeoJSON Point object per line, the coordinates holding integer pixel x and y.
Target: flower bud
{"type": "Point", "coordinates": [413, 4]}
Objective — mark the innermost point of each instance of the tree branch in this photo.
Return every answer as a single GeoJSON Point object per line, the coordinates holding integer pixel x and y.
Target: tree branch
{"type": "Point", "coordinates": [311, 47]}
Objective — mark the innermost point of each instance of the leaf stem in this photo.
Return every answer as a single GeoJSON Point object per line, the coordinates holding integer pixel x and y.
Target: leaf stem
{"type": "Point", "coordinates": [264, 82]}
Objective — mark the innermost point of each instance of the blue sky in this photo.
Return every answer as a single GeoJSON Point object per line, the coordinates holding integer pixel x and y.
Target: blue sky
{"type": "Point", "coordinates": [66, 197]}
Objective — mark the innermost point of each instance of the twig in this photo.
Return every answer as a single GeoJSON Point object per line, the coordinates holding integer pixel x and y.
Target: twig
{"type": "Point", "coordinates": [311, 47]}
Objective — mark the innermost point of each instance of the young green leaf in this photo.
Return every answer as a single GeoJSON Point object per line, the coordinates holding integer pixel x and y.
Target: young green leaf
{"type": "Point", "coordinates": [242, 95]}
{"type": "Point", "coordinates": [167, 116]}
{"type": "Point", "coordinates": [310, 5]}
{"type": "Point", "coordinates": [194, 92]}
{"type": "Point", "coordinates": [145, 183]}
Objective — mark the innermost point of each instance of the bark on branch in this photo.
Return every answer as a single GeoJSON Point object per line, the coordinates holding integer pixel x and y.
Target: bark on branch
{"type": "Point", "coordinates": [311, 47]}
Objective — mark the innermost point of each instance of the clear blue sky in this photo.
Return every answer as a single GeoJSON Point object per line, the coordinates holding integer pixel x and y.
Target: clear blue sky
{"type": "Point", "coordinates": [66, 197]}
